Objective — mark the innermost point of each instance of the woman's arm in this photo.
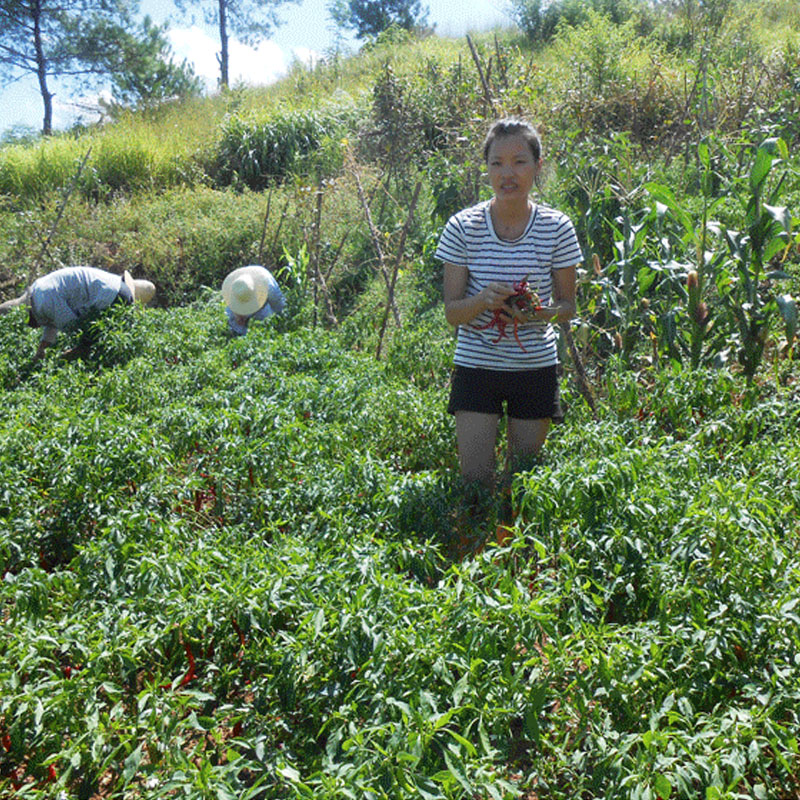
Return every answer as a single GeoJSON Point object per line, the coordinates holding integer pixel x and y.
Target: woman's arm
{"type": "Point", "coordinates": [459, 309]}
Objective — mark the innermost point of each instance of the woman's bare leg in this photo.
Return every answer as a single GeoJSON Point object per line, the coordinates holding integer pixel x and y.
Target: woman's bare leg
{"type": "Point", "coordinates": [476, 435]}
{"type": "Point", "coordinates": [525, 440]}
{"type": "Point", "coordinates": [526, 437]}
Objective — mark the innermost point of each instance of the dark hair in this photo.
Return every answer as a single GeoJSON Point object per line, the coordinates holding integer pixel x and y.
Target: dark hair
{"type": "Point", "coordinates": [513, 126]}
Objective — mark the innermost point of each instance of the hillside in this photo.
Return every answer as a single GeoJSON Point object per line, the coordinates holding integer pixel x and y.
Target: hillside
{"type": "Point", "coordinates": [232, 566]}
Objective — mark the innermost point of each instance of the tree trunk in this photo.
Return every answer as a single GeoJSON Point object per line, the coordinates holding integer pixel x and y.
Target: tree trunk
{"type": "Point", "coordinates": [41, 69]}
{"type": "Point", "coordinates": [223, 39]}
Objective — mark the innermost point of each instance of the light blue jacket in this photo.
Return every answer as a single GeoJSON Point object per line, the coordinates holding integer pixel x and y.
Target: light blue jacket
{"type": "Point", "coordinates": [276, 302]}
{"type": "Point", "coordinates": [61, 298]}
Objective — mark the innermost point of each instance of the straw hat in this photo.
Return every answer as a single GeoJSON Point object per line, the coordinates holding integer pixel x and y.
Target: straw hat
{"type": "Point", "coordinates": [141, 290]}
{"type": "Point", "coordinates": [245, 290]}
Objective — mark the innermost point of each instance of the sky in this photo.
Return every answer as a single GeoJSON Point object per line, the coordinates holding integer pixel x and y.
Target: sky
{"type": "Point", "coordinates": [306, 33]}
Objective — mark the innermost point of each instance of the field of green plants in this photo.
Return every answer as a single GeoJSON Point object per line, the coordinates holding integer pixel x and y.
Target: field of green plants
{"type": "Point", "coordinates": [232, 567]}
{"type": "Point", "coordinates": [226, 574]}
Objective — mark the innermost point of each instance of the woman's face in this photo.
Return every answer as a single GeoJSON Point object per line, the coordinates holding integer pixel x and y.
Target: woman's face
{"type": "Point", "coordinates": [512, 167]}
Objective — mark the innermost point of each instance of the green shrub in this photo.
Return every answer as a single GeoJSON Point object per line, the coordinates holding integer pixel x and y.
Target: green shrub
{"type": "Point", "coordinates": [258, 153]}
{"type": "Point", "coordinates": [540, 21]}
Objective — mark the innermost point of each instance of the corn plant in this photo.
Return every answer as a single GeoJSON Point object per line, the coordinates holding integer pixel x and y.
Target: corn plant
{"type": "Point", "coordinates": [700, 342]}
{"type": "Point", "coordinates": [756, 255]}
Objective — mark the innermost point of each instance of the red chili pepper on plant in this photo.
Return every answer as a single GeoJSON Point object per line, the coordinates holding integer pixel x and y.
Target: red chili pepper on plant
{"type": "Point", "coordinates": [17, 775]}
{"type": "Point", "coordinates": [190, 673]}
{"type": "Point", "coordinates": [242, 640]}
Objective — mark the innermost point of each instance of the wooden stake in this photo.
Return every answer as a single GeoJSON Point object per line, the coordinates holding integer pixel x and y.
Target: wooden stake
{"type": "Point", "coordinates": [398, 259]}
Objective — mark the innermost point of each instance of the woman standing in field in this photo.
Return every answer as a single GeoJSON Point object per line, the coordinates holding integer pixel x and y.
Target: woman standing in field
{"type": "Point", "coordinates": [509, 274]}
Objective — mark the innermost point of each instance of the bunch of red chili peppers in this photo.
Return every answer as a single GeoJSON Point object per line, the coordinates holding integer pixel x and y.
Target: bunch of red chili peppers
{"type": "Point", "coordinates": [525, 299]}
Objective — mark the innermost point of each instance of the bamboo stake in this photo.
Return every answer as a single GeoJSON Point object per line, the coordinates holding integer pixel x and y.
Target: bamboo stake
{"type": "Point", "coordinates": [486, 92]}
{"type": "Point", "coordinates": [314, 252]}
{"type": "Point", "coordinates": [580, 371]}
{"type": "Point", "coordinates": [336, 255]}
{"type": "Point", "coordinates": [280, 222]}
{"type": "Point", "coordinates": [264, 228]}
{"type": "Point", "coordinates": [501, 66]}
{"type": "Point", "coordinates": [318, 276]}
{"type": "Point", "coordinates": [376, 243]}
{"type": "Point", "coordinates": [398, 259]}
{"type": "Point", "coordinates": [54, 226]}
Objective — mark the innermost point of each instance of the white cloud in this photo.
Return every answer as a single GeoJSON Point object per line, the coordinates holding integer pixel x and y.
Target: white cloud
{"type": "Point", "coordinates": [253, 66]}
{"type": "Point", "coordinates": [306, 56]}
{"type": "Point", "coordinates": [198, 48]}
{"type": "Point", "coordinates": [256, 66]}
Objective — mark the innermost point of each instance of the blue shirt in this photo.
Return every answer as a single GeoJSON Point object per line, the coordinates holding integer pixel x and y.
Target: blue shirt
{"type": "Point", "coordinates": [61, 298]}
{"type": "Point", "coordinates": [276, 302]}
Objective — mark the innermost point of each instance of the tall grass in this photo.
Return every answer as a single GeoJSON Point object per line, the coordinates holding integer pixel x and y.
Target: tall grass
{"type": "Point", "coordinates": [124, 159]}
{"type": "Point", "coordinates": [30, 172]}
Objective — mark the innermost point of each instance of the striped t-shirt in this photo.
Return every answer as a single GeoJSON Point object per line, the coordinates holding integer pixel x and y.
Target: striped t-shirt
{"type": "Point", "coordinates": [549, 242]}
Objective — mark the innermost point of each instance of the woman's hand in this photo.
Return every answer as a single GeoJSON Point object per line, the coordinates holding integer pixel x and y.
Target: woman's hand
{"type": "Point", "coordinates": [495, 295]}
{"type": "Point", "coordinates": [461, 310]}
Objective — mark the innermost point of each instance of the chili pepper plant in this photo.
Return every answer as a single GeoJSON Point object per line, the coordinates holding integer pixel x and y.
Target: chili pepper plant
{"type": "Point", "coordinates": [228, 572]}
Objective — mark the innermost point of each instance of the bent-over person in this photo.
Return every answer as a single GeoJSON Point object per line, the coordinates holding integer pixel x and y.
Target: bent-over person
{"type": "Point", "coordinates": [59, 300]}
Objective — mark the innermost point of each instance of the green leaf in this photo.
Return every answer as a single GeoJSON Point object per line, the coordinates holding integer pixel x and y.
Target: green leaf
{"type": "Point", "coordinates": [131, 766]}
{"type": "Point", "coordinates": [232, 755]}
{"type": "Point", "coordinates": [703, 154]}
{"type": "Point", "coordinates": [788, 308]}
{"type": "Point", "coordinates": [533, 709]}
{"type": "Point", "coordinates": [465, 743]}
{"type": "Point", "coordinates": [458, 772]}
{"type": "Point", "coordinates": [761, 167]}
{"type": "Point", "coordinates": [663, 787]}
{"type": "Point", "coordinates": [775, 246]}
{"type": "Point", "coordinates": [776, 146]}
{"type": "Point", "coordinates": [443, 718]}
{"type": "Point", "coordinates": [663, 194]}
{"type": "Point", "coordinates": [780, 214]}
{"type": "Point", "coordinates": [646, 276]}
{"type": "Point", "coordinates": [290, 773]}
{"type": "Point", "coordinates": [319, 622]}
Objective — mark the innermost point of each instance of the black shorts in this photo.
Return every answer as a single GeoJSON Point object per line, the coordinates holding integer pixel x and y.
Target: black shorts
{"type": "Point", "coordinates": [527, 394]}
